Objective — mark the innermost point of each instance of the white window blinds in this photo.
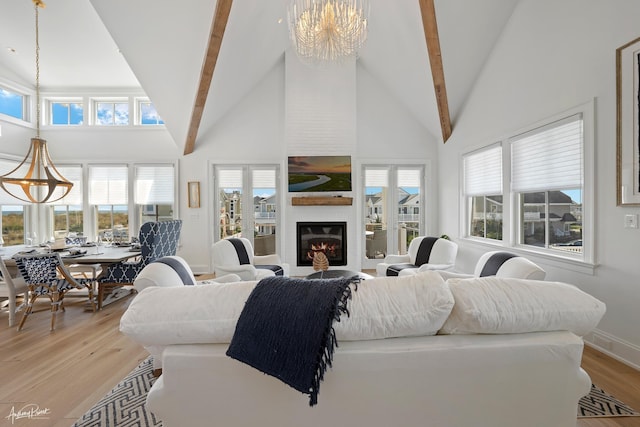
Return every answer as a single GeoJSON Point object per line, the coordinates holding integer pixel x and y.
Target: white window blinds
{"type": "Point", "coordinates": [376, 177]}
{"type": "Point", "coordinates": [548, 158]}
{"type": "Point", "coordinates": [154, 185]}
{"type": "Point", "coordinates": [483, 172]}
{"type": "Point", "coordinates": [108, 185]}
{"type": "Point", "coordinates": [264, 178]}
{"type": "Point", "coordinates": [229, 178]}
{"type": "Point", "coordinates": [74, 198]}
{"type": "Point", "coordinates": [409, 178]}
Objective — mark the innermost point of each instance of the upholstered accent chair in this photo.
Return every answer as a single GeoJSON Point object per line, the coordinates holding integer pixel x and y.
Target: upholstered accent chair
{"type": "Point", "coordinates": [172, 271]}
{"type": "Point", "coordinates": [502, 264]}
{"type": "Point", "coordinates": [235, 256]}
{"type": "Point", "coordinates": [10, 288]}
{"type": "Point", "coordinates": [157, 239]}
{"type": "Point", "coordinates": [45, 274]}
{"type": "Point", "coordinates": [425, 253]}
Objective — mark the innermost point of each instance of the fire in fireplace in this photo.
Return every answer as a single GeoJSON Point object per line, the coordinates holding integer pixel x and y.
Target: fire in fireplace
{"type": "Point", "coordinates": [327, 237]}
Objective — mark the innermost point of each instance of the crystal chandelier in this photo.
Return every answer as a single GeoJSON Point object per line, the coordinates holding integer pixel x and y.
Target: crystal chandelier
{"type": "Point", "coordinates": [327, 30]}
{"type": "Point", "coordinates": [41, 179]}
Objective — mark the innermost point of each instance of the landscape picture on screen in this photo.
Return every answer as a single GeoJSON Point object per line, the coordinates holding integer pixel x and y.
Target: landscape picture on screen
{"type": "Point", "coordinates": [319, 173]}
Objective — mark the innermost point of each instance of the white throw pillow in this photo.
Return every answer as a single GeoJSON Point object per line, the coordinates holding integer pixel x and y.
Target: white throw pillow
{"type": "Point", "coordinates": [382, 307]}
{"type": "Point", "coordinates": [492, 305]}
{"type": "Point", "coordinates": [386, 307]}
{"type": "Point", "coordinates": [186, 314]}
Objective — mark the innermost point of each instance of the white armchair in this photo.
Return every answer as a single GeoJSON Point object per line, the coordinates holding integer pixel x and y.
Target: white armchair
{"type": "Point", "coordinates": [235, 256]}
{"type": "Point", "coordinates": [425, 253]}
{"type": "Point", "coordinates": [502, 264]}
{"type": "Point", "coordinates": [171, 271]}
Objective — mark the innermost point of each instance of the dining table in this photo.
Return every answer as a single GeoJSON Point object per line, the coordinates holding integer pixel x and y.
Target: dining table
{"type": "Point", "coordinates": [106, 254]}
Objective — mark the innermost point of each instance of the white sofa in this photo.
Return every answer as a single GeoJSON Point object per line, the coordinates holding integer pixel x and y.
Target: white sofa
{"type": "Point", "coordinates": [492, 364]}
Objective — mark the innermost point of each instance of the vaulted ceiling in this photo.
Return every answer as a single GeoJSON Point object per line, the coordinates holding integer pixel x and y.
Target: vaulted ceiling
{"type": "Point", "coordinates": [160, 46]}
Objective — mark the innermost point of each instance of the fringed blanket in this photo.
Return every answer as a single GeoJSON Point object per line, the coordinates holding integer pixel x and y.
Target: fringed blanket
{"type": "Point", "coordinates": [286, 329]}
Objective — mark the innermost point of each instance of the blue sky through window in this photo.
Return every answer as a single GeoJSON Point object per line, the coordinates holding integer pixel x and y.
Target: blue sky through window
{"type": "Point", "coordinates": [11, 104]}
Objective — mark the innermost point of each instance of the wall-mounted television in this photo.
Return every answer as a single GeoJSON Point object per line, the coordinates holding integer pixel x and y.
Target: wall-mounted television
{"type": "Point", "coordinates": [319, 173]}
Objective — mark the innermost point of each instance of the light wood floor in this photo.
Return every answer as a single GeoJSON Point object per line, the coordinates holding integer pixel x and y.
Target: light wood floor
{"type": "Point", "coordinates": [70, 369]}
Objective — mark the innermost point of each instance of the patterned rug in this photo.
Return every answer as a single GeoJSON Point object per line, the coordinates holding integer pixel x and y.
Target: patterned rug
{"type": "Point", "coordinates": [124, 406]}
{"type": "Point", "coordinates": [598, 403]}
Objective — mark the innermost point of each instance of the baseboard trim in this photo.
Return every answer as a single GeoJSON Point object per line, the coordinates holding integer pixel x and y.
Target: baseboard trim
{"type": "Point", "coordinates": [621, 350]}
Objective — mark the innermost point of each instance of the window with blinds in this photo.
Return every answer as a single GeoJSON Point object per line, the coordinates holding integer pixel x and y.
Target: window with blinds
{"type": "Point", "coordinates": [482, 171]}
{"type": "Point", "coordinates": [247, 199]}
{"type": "Point", "coordinates": [12, 218]}
{"type": "Point", "coordinates": [154, 192]}
{"type": "Point", "coordinates": [67, 212]}
{"type": "Point", "coordinates": [109, 196]}
{"type": "Point", "coordinates": [547, 177]}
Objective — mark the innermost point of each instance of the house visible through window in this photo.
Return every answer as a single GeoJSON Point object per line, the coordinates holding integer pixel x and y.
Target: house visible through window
{"type": "Point", "coordinates": [547, 177]}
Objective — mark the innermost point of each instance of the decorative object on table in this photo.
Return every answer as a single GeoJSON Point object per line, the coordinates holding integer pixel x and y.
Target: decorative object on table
{"type": "Point", "coordinates": [269, 338]}
{"type": "Point", "coordinates": [36, 176]}
{"type": "Point", "coordinates": [320, 261]}
{"type": "Point", "coordinates": [325, 31]}
{"type": "Point", "coordinates": [627, 121]}
{"type": "Point", "coordinates": [193, 188]}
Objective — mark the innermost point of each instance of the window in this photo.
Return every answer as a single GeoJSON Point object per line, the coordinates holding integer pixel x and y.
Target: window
{"type": "Point", "coordinates": [66, 113]}
{"type": "Point", "coordinates": [482, 171]}
{"type": "Point", "coordinates": [394, 200]}
{"type": "Point", "coordinates": [147, 114]}
{"type": "Point", "coordinates": [255, 187]}
{"type": "Point", "coordinates": [108, 194]}
{"type": "Point", "coordinates": [12, 219]}
{"type": "Point", "coordinates": [67, 212]}
{"type": "Point", "coordinates": [547, 179]}
{"type": "Point", "coordinates": [154, 192]}
{"type": "Point", "coordinates": [12, 104]}
{"type": "Point", "coordinates": [112, 113]}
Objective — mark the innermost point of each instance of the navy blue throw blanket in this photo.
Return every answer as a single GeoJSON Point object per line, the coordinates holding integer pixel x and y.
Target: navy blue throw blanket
{"type": "Point", "coordinates": [286, 329]}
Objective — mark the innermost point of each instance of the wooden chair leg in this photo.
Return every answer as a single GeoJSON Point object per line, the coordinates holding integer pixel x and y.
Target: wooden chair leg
{"type": "Point", "coordinates": [27, 311]}
{"type": "Point", "coordinates": [55, 303]}
{"type": "Point", "coordinates": [90, 290]}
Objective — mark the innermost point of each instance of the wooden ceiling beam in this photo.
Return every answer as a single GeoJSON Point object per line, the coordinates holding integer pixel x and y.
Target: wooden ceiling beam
{"type": "Point", "coordinates": [220, 19]}
{"type": "Point", "coordinates": [428, 12]}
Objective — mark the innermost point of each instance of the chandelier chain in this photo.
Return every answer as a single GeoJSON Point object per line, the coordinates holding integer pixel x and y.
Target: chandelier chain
{"type": "Point", "coordinates": [37, 75]}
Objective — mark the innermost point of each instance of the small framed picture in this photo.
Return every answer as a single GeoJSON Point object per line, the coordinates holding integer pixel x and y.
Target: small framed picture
{"type": "Point", "coordinates": [193, 188]}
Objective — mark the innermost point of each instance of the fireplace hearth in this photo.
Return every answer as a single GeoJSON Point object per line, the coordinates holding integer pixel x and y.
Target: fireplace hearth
{"type": "Point", "coordinates": [327, 237]}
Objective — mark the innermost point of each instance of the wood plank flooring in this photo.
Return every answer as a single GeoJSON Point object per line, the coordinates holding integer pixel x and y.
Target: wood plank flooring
{"type": "Point", "coordinates": [70, 369]}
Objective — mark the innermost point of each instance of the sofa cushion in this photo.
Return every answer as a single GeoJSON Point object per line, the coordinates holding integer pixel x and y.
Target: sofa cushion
{"type": "Point", "coordinates": [493, 305]}
{"type": "Point", "coordinates": [381, 308]}
{"type": "Point", "coordinates": [387, 307]}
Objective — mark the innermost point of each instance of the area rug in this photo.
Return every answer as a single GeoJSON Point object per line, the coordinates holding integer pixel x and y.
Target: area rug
{"type": "Point", "coordinates": [124, 405]}
{"type": "Point", "coordinates": [598, 403]}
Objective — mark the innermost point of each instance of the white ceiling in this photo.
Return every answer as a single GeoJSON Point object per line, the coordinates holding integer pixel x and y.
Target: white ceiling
{"type": "Point", "coordinates": [161, 44]}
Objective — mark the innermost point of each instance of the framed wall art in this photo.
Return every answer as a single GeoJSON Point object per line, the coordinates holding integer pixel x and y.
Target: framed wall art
{"type": "Point", "coordinates": [193, 188]}
{"type": "Point", "coordinates": [627, 122]}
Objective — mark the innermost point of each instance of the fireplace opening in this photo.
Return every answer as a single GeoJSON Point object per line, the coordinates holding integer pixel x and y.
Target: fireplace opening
{"type": "Point", "coordinates": [327, 237]}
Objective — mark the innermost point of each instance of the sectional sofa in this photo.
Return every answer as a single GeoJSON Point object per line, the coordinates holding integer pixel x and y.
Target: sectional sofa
{"type": "Point", "coordinates": [415, 351]}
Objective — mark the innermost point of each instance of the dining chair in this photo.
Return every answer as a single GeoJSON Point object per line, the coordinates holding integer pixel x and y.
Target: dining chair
{"type": "Point", "coordinates": [10, 288]}
{"type": "Point", "coordinates": [46, 274]}
{"type": "Point", "coordinates": [157, 239]}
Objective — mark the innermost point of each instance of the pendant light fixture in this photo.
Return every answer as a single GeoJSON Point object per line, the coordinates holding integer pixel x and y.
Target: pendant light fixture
{"type": "Point", "coordinates": [36, 179]}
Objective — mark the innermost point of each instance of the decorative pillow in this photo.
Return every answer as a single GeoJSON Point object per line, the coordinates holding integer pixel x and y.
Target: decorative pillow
{"type": "Point", "coordinates": [186, 314]}
{"type": "Point", "coordinates": [382, 307]}
{"type": "Point", "coordinates": [386, 307]}
{"type": "Point", "coordinates": [492, 305]}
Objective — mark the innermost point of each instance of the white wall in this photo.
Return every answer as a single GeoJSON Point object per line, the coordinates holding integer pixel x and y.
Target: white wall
{"type": "Point", "coordinates": [552, 56]}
